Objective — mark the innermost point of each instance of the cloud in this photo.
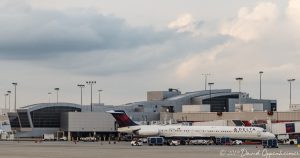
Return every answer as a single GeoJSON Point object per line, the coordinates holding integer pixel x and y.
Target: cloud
{"type": "Point", "coordinates": [293, 15]}
{"type": "Point", "coordinates": [183, 23]}
{"type": "Point", "coordinates": [262, 38]}
{"type": "Point", "coordinates": [143, 58]}
{"type": "Point", "coordinates": [55, 46]}
{"type": "Point", "coordinates": [94, 43]}
{"type": "Point", "coordinates": [186, 23]}
{"type": "Point", "coordinates": [293, 10]}
{"type": "Point", "coordinates": [32, 33]}
{"type": "Point", "coordinates": [251, 23]}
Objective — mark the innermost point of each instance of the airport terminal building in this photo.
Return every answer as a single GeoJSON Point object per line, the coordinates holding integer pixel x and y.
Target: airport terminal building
{"type": "Point", "coordinates": [74, 120]}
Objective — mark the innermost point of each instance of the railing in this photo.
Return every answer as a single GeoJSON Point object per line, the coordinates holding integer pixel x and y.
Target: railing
{"type": "Point", "coordinates": [295, 107]}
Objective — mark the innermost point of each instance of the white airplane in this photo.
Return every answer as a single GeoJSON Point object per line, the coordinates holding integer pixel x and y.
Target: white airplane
{"type": "Point", "coordinates": [2, 131]}
{"type": "Point", "coordinates": [126, 125]}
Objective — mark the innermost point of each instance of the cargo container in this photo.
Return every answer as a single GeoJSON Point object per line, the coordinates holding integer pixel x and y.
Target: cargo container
{"type": "Point", "coordinates": [270, 143]}
{"type": "Point", "coordinates": [223, 141]}
{"type": "Point", "coordinates": [155, 140]}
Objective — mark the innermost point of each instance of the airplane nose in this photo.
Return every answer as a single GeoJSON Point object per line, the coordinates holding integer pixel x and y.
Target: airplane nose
{"type": "Point", "coordinates": [268, 135]}
{"type": "Point", "coordinates": [272, 135]}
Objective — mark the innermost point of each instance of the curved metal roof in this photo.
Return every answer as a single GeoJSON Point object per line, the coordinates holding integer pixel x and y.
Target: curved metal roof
{"type": "Point", "coordinates": [34, 107]}
{"type": "Point", "coordinates": [199, 94]}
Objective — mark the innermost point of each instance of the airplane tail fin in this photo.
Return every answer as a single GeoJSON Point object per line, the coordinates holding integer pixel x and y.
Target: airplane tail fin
{"type": "Point", "coordinates": [242, 123]}
{"type": "Point", "coordinates": [122, 118]}
{"type": "Point", "coordinates": [247, 123]}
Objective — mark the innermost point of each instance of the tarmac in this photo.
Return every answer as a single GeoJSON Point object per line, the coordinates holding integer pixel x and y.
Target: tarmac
{"type": "Point", "coordinates": [31, 149]}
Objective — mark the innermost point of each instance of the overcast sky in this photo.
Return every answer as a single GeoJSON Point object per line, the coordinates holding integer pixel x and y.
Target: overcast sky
{"type": "Point", "coordinates": [131, 47]}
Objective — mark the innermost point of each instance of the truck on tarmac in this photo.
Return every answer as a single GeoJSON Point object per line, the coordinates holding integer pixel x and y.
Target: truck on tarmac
{"type": "Point", "coordinates": [48, 137]}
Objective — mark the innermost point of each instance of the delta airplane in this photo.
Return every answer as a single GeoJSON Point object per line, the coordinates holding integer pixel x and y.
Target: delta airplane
{"type": "Point", "coordinates": [126, 125]}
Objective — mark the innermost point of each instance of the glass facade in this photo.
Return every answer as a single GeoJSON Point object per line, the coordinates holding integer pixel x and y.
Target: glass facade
{"type": "Point", "coordinates": [50, 116]}
{"type": "Point", "coordinates": [273, 107]}
{"type": "Point", "coordinates": [13, 120]}
{"type": "Point", "coordinates": [24, 119]}
{"type": "Point", "coordinates": [219, 104]}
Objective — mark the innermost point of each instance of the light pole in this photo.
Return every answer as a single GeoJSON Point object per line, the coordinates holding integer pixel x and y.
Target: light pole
{"type": "Point", "coordinates": [57, 89]}
{"type": "Point", "coordinates": [210, 84]}
{"type": "Point", "coordinates": [290, 81]}
{"type": "Point", "coordinates": [239, 79]}
{"type": "Point", "coordinates": [49, 96]}
{"type": "Point", "coordinates": [205, 79]}
{"type": "Point", "coordinates": [81, 86]}
{"type": "Point", "coordinates": [5, 95]}
{"type": "Point", "coordinates": [99, 95]}
{"type": "Point", "coordinates": [260, 74]}
{"type": "Point", "coordinates": [15, 85]}
{"type": "Point", "coordinates": [91, 83]}
{"type": "Point", "coordinates": [8, 93]}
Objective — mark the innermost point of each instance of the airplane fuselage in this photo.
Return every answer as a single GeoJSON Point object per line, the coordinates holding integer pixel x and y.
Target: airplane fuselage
{"type": "Point", "coordinates": [177, 131]}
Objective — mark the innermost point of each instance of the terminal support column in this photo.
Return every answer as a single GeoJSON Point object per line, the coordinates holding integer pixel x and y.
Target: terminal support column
{"type": "Point", "coordinates": [69, 136]}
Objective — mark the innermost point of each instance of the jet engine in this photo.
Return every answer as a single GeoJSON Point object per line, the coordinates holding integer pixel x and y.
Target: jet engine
{"type": "Point", "coordinates": [148, 132]}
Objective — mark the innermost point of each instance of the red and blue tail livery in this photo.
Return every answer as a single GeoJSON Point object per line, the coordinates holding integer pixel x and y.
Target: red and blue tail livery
{"type": "Point", "coordinates": [122, 119]}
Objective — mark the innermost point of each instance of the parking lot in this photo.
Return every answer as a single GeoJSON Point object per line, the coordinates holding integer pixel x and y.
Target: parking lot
{"type": "Point", "coordinates": [30, 149]}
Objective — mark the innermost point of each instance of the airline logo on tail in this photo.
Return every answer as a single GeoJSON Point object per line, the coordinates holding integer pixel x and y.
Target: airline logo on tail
{"type": "Point", "coordinates": [121, 117]}
{"type": "Point", "coordinates": [242, 123]}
